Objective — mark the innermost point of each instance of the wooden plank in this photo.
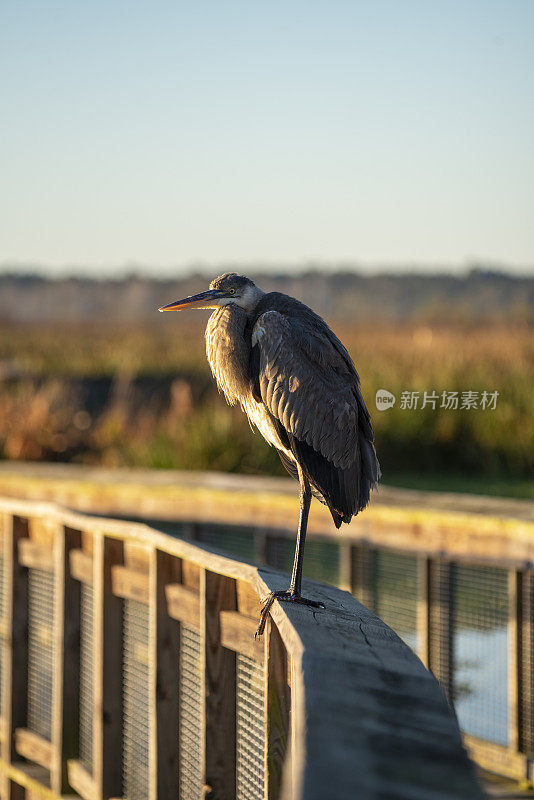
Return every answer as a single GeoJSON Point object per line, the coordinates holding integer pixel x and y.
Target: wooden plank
{"type": "Point", "coordinates": [38, 555]}
{"type": "Point", "coordinates": [14, 643]}
{"type": "Point", "coordinates": [66, 676]}
{"type": "Point", "coordinates": [203, 683]}
{"type": "Point", "coordinates": [107, 665]}
{"type": "Point", "coordinates": [423, 610]}
{"type": "Point", "coordinates": [278, 710]}
{"type": "Point", "coordinates": [29, 781]}
{"type": "Point", "coordinates": [363, 574]}
{"type": "Point", "coordinates": [130, 584]}
{"type": "Point", "coordinates": [137, 556]}
{"type": "Point", "coordinates": [154, 489]}
{"type": "Point", "coordinates": [441, 653]}
{"type": "Point", "coordinates": [275, 551]}
{"type": "Point", "coordinates": [81, 565]}
{"type": "Point", "coordinates": [165, 657]}
{"type": "Point", "coordinates": [188, 531]}
{"type": "Point", "coordinates": [33, 747]}
{"type": "Point", "coordinates": [237, 634]}
{"type": "Point", "coordinates": [42, 530]}
{"type": "Point", "coordinates": [81, 781]}
{"type": "Point", "coordinates": [514, 658]}
{"type": "Point", "coordinates": [345, 566]}
{"type": "Point", "coordinates": [460, 526]}
{"type": "Point", "coordinates": [526, 660]}
{"type": "Point", "coordinates": [220, 677]}
{"type": "Point", "coordinates": [191, 575]}
{"type": "Point", "coordinates": [498, 759]}
{"type": "Point", "coordinates": [152, 537]}
{"type": "Point", "coordinates": [87, 542]}
{"type": "Point", "coordinates": [260, 545]}
{"type": "Point", "coordinates": [152, 654]}
{"type": "Point", "coordinates": [248, 602]}
{"type": "Point", "coordinates": [183, 604]}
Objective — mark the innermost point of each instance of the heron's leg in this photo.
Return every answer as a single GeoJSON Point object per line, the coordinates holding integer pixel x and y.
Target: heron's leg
{"type": "Point", "coordinates": [293, 593]}
{"type": "Point", "coordinates": [305, 497]}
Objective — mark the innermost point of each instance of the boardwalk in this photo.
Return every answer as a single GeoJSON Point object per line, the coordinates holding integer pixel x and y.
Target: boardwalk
{"type": "Point", "coordinates": [148, 682]}
{"type": "Point", "coordinates": [451, 575]}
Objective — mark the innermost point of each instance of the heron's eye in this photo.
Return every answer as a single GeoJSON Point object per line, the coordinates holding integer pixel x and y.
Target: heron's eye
{"type": "Point", "coordinates": [231, 291]}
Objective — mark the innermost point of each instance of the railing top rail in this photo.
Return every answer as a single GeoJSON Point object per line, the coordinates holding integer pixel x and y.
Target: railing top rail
{"type": "Point", "coordinates": [40, 474]}
{"type": "Point", "coordinates": [368, 720]}
{"type": "Point", "coordinates": [459, 527]}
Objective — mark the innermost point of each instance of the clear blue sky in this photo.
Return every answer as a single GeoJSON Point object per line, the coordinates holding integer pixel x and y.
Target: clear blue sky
{"type": "Point", "coordinates": [164, 133]}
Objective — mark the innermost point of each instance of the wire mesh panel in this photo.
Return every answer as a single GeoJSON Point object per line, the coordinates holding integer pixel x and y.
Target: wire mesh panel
{"type": "Point", "coordinates": [321, 559]}
{"type": "Point", "coordinates": [395, 593]}
{"type": "Point", "coordinates": [279, 553]}
{"type": "Point", "coordinates": [480, 642]}
{"type": "Point", "coordinates": [236, 542]}
{"type": "Point", "coordinates": [40, 651]}
{"type": "Point", "coordinates": [250, 729]}
{"type": "Point", "coordinates": [86, 677]}
{"type": "Point", "coordinates": [190, 714]}
{"type": "Point", "coordinates": [135, 700]}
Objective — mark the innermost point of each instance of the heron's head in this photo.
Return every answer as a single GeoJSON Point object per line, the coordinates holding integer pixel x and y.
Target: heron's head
{"type": "Point", "coordinates": [226, 289]}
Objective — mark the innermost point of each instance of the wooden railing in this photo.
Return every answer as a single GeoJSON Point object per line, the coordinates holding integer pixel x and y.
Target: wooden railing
{"type": "Point", "coordinates": [130, 670]}
{"type": "Point", "coordinates": [452, 574]}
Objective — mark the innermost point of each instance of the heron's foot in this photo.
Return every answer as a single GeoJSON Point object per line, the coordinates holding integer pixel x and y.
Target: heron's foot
{"type": "Point", "coordinates": [289, 596]}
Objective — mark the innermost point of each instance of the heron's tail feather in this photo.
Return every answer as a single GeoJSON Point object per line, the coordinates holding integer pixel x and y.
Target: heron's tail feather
{"type": "Point", "coordinates": [344, 491]}
{"type": "Point", "coordinates": [369, 472]}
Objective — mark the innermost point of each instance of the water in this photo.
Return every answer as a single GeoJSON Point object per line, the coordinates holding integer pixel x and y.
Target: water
{"type": "Point", "coordinates": [481, 678]}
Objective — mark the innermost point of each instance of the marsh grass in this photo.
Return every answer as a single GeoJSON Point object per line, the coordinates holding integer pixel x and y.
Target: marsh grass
{"type": "Point", "coordinates": [45, 414]}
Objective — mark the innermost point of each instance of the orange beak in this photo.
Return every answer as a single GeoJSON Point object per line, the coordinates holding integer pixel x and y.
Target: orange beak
{"type": "Point", "coordinates": [203, 300]}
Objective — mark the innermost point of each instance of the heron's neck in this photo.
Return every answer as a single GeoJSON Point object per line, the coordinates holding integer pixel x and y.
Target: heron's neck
{"type": "Point", "coordinates": [228, 351]}
{"type": "Point", "coordinates": [250, 298]}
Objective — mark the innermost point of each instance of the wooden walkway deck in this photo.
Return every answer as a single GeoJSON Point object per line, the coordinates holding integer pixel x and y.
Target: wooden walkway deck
{"type": "Point", "coordinates": [340, 706]}
{"type": "Point", "coordinates": [441, 537]}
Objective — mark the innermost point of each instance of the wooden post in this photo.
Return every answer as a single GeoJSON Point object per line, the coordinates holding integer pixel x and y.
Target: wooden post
{"type": "Point", "coordinates": [440, 650]}
{"type": "Point", "coordinates": [260, 545]}
{"type": "Point", "coordinates": [107, 610]}
{"type": "Point", "coordinates": [526, 659]}
{"type": "Point", "coordinates": [514, 658]}
{"type": "Point", "coordinates": [164, 641]}
{"type": "Point", "coordinates": [188, 532]}
{"type": "Point", "coordinates": [14, 643]}
{"type": "Point", "coordinates": [423, 610]}
{"type": "Point", "coordinates": [273, 554]}
{"type": "Point", "coordinates": [220, 689]}
{"type": "Point", "coordinates": [278, 713]}
{"type": "Point", "coordinates": [363, 574]}
{"type": "Point", "coordinates": [345, 566]}
{"type": "Point", "coordinates": [66, 677]}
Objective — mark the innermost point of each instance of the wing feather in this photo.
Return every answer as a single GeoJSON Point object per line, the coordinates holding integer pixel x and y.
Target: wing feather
{"type": "Point", "coordinates": [310, 388]}
{"type": "Point", "coordinates": [303, 386]}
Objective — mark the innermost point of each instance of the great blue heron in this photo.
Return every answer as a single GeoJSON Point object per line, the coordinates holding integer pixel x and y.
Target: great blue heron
{"type": "Point", "coordinates": [298, 386]}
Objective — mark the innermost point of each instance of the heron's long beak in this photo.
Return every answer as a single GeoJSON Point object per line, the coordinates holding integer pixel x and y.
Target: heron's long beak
{"type": "Point", "coordinates": [203, 300]}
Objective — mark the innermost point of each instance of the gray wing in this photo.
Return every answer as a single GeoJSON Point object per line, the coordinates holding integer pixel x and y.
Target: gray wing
{"type": "Point", "coordinates": [308, 385]}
